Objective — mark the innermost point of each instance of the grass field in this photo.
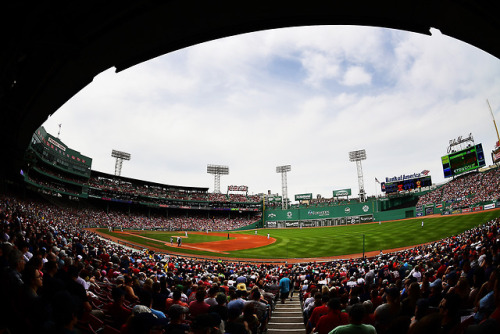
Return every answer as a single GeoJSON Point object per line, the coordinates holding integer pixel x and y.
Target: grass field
{"type": "Point", "coordinates": [334, 241]}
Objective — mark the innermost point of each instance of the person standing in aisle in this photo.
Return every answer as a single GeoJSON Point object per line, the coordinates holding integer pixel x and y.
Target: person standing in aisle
{"type": "Point", "coordinates": [284, 288]}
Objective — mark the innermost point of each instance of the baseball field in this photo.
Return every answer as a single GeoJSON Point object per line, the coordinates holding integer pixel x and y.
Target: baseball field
{"type": "Point", "coordinates": [306, 243]}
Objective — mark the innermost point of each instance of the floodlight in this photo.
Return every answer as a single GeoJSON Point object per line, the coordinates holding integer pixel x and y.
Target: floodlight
{"type": "Point", "coordinates": [281, 169]}
{"type": "Point", "coordinates": [217, 171]}
{"type": "Point", "coordinates": [120, 156]}
{"type": "Point", "coordinates": [357, 155]}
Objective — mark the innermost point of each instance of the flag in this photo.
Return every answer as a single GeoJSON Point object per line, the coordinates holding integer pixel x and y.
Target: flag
{"type": "Point", "coordinates": [376, 180]}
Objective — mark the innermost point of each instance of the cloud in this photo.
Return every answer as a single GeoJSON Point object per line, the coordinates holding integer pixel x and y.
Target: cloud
{"type": "Point", "coordinates": [356, 75]}
{"type": "Point", "coordinates": [300, 96]}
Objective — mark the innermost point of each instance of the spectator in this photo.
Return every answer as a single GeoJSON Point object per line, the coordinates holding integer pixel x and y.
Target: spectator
{"type": "Point", "coordinates": [355, 326]}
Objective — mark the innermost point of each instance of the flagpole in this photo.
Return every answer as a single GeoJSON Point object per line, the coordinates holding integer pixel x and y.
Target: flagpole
{"type": "Point", "coordinates": [376, 181]}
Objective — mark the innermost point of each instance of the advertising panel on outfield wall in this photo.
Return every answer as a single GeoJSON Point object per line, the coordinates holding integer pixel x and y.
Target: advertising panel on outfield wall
{"type": "Point", "coordinates": [321, 222]}
{"type": "Point", "coordinates": [326, 212]}
{"type": "Point", "coordinates": [489, 206]}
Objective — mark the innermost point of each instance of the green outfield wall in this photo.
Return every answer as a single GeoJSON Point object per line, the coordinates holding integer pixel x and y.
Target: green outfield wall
{"type": "Point", "coordinates": [353, 213]}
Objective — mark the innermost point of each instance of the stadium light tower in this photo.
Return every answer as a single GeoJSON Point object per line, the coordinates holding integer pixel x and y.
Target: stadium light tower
{"type": "Point", "coordinates": [357, 156]}
{"type": "Point", "coordinates": [284, 187]}
{"type": "Point", "coordinates": [217, 170]}
{"type": "Point", "coordinates": [120, 156]}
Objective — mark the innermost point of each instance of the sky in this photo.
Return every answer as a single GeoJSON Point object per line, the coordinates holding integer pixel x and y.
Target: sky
{"type": "Point", "coordinates": [303, 96]}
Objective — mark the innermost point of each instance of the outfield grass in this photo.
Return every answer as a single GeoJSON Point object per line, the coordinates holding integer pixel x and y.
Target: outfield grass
{"type": "Point", "coordinates": [342, 240]}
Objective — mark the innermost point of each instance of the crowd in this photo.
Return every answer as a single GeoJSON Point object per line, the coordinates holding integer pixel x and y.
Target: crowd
{"type": "Point", "coordinates": [119, 219]}
{"type": "Point", "coordinates": [466, 190]}
{"type": "Point", "coordinates": [166, 192]}
{"type": "Point", "coordinates": [121, 189]}
{"type": "Point", "coordinates": [59, 278]}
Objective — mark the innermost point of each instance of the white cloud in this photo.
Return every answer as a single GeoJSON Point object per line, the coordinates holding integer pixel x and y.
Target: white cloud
{"type": "Point", "coordinates": [300, 96]}
{"type": "Point", "coordinates": [356, 75]}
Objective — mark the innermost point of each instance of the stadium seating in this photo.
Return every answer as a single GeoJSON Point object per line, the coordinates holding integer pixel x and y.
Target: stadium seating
{"type": "Point", "coordinates": [463, 269]}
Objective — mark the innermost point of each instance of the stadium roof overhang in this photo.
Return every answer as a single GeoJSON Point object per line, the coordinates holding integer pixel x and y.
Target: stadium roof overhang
{"type": "Point", "coordinates": [52, 49]}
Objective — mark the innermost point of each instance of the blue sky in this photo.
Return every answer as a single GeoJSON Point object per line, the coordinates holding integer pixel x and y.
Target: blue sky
{"type": "Point", "coordinates": [303, 96]}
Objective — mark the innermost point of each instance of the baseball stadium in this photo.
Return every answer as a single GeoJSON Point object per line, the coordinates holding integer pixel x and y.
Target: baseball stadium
{"type": "Point", "coordinates": [108, 229]}
{"type": "Point", "coordinates": [83, 251]}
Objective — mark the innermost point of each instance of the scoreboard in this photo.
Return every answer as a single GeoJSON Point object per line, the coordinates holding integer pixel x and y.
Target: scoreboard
{"type": "Point", "coordinates": [463, 161]}
{"type": "Point", "coordinates": [406, 185]}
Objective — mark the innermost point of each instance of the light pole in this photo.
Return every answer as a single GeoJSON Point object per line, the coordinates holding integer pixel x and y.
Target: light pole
{"type": "Point", "coordinates": [357, 156]}
{"type": "Point", "coordinates": [284, 188]}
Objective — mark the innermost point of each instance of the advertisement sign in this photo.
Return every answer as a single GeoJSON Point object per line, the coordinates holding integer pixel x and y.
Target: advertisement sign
{"type": "Point", "coordinates": [293, 224]}
{"type": "Point", "coordinates": [366, 219]}
{"type": "Point", "coordinates": [352, 220]}
{"type": "Point", "coordinates": [324, 213]}
{"type": "Point", "coordinates": [489, 206]}
{"type": "Point", "coordinates": [303, 197]}
{"type": "Point", "coordinates": [237, 188]}
{"type": "Point", "coordinates": [420, 214]}
{"type": "Point", "coordinates": [271, 224]}
{"type": "Point", "coordinates": [477, 208]}
{"type": "Point", "coordinates": [466, 210]}
{"type": "Point", "coordinates": [342, 192]}
{"type": "Point", "coordinates": [407, 177]}
{"type": "Point", "coordinates": [274, 199]}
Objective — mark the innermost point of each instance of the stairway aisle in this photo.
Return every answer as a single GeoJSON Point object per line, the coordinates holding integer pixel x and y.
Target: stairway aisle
{"type": "Point", "coordinates": [287, 318]}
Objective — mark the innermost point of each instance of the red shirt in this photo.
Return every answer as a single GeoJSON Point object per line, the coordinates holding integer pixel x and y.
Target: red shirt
{"type": "Point", "coordinates": [331, 320]}
{"type": "Point", "coordinates": [118, 313]}
{"type": "Point", "coordinates": [171, 302]}
{"type": "Point", "coordinates": [317, 313]}
{"type": "Point", "coordinates": [196, 308]}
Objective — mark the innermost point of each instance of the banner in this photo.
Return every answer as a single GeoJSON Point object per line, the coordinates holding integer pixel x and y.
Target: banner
{"type": "Point", "coordinates": [342, 192]}
{"type": "Point", "coordinates": [302, 197]}
{"type": "Point", "coordinates": [237, 188]}
{"type": "Point", "coordinates": [477, 208]}
{"type": "Point", "coordinates": [423, 173]}
{"type": "Point", "coordinates": [274, 199]}
{"type": "Point", "coordinates": [366, 219]}
{"type": "Point", "coordinates": [489, 206]}
{"type": "Point", "coordinates": [323, 213]}
{"type": "Point", "coordinates": [466, 210]}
